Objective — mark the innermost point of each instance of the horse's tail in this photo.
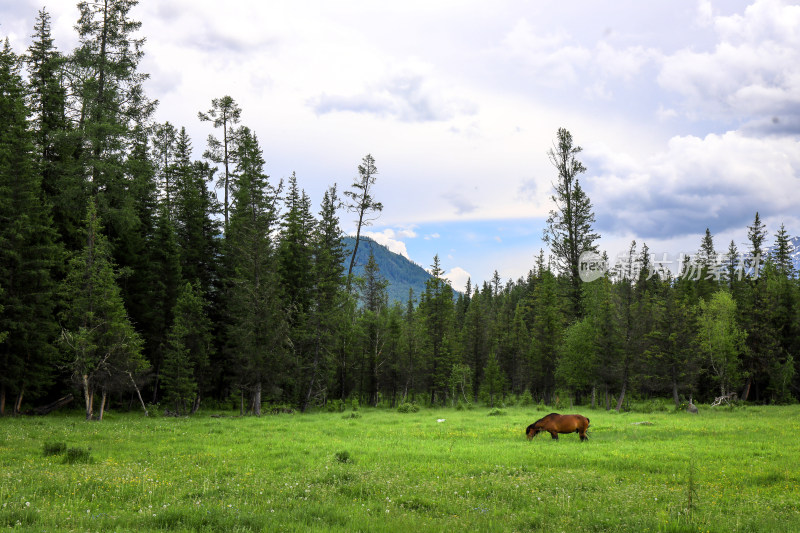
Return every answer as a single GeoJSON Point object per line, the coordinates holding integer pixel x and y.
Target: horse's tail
{"type": "Point", "coordinates": [587, 422]}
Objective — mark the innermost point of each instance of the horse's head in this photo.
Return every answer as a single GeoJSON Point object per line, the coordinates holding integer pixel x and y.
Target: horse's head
{"type": "Point", "coordinates": [532, 431]}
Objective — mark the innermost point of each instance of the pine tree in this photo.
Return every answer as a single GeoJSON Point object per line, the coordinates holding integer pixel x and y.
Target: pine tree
{"type": "Point", "coordinates": [164, 154]}
{"type": "Point", "coordinates": [436, 312]}
{"type": "Point", "coordinates": [782, 256]}
{"type": "Point", "coordinates": [362, 203]}
{"type": "Point", "coordinates": [756, 235]}
{"type": "Point", "coordinates": [57, 141]}
{"type": "Point", "coordinates": [494, 382]}
{"type": "Point", "coordinates": [105, 350]}
{"type": "Point", "coordinates": [325, 320]}
{"type": "Point", "coordinates": [257, 330]}
{"type": "Point", "coordinates": [109, 88]}
{"type": "Point", "coordinates": [374, 324]}
{"type": "Point", "coordinates": [569, 227]}
{"type": "Point", "coordinates": [197, 228]}
{"type": "Point", "coordinates": [546, 333]}
{"type": "Point", "coordinates": [28, 250]}
{"type": "Point", "coordinates": [225, 114]}
{"type": "Point", "coordinates": [188, 349]}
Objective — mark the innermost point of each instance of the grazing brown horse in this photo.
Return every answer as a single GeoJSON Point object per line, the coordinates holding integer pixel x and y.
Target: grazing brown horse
{"type": "Point", "coordinates": [555, 423]}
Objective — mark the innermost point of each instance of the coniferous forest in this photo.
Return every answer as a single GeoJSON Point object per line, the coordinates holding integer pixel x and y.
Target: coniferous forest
{"type": "Point", "coordinates": [139, 267]}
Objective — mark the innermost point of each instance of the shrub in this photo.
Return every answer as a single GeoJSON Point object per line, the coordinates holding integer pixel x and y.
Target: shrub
{"type": "Point", "coordinates": [54, 448]}
{"type": "Point", "coordinates": [408, 408]}
{"type": "Point", "coordinates": [525, 398]}
{"type": "Point", "coordinates": [496, 412]}
{"type": "Point", "coordinates": [336, 406]}
{"type": "Point", "coordinates": [351, 415]}
{"type": "Point", "coordinates": [77, 455]}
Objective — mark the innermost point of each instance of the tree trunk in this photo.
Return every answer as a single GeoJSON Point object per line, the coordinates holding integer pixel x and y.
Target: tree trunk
{"type": "Point", "coordinates": [138, 393]}
{"type": "Point", "coordinates": [18, 402]}
{"type": "Point", "coordinates": [675, 396]}
{"type": "Point", "coordinates": [88, 396]}
{"type": "Point", "coordinates": [102, 404]}
{"type": "Point", "coordinates": [622, 395]}
{"type": "Point", "coordinates": [196, 404]}
{"type": "Point", "coordinates": [594, 396]}
{"type": "Point", "coordinates": [608, 404]}
{"type": "Point", "coordinates": [746, 391]}
{"type": "Point", "coordinates": [257, 399]}
{"type": "Point", "coordinates": [61, 402]}
{"type": "Point", "coordinates": [2, 400]}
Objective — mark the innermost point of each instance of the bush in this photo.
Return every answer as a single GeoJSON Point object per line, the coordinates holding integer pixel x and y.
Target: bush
{"type": "Point", "coordinates": [408, 408]}
{"type": "Point", "coordinates": [496, 412]}
{"type": "Point", "coordinates": [54, 448]}
{"type": "Point", "coordinates": [77, 455]}
{"type": "Point", "coordinates": [354, 404]}
{"type": "Point", "coordinates": [351, 415]}
{"type": "Point", "coordinates": [336, 406]}
{"type": "Point", "coordinates": [525, 399]}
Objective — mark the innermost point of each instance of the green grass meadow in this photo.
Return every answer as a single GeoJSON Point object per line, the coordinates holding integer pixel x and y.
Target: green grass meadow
{"type": "Point", "coordinates": [379, 470]}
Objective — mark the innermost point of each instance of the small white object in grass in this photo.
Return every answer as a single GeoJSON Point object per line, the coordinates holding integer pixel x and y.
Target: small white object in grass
{"type": "Point", "coordinates": [440, 420]}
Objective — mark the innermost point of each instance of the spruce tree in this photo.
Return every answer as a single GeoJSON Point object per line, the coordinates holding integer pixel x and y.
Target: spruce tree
{"type": "Point", "coordinates": [436, 312]}
{"type": "Point", "coordinates": [104, 349]}
{"type": "Point", "coordinates": [28, 251]}
{"type": "Point", "coordinates": [325, 318]}
{"type": "Point", "coordinates": [188, 350]}
{"type": "Point", "coordinates": [257, 331]}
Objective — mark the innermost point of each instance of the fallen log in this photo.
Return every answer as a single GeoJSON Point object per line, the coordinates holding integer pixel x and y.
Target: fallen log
{"type": "Point", "coordinates": [49, 408]}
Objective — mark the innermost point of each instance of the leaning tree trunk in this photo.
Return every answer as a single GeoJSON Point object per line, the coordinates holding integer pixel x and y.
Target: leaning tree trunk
{"type": "Point", "coordinates": [18, 402]}
{"type": "Point", "coordinates": [746, 391]}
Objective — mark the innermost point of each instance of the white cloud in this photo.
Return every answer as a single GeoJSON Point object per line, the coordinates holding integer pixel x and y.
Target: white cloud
{"type": "Point", "coordinates": [753, 70]}
{"type": "Point", "coordinates": [718, 181]}
{"type": "Point", "coordinates": [458, 278]}
{"type": "Point", "coordinates": [391, 239]}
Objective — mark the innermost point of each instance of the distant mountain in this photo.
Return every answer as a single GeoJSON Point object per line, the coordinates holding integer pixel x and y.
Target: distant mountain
{"type": "Point", "coordinates": [401, 273]}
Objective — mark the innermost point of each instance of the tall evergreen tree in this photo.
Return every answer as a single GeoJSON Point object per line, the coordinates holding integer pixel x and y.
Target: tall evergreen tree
{"type": "Point", "coordinates": [105, 350]}
{"type": "Point", "coordinates": [325, 320]}
{"type": "Point", "coordinates": [569, 227]}
{"type": "Point", "coordinates": [374, 324]}
{"type": "Point", "coordinates": [436, 311]}
{"type": "Point", "coordinates": [188, 350]}
{"type": "Point", "coordinates": [257, 330]}
{"type": "Point", "coordinates": [224, 113]}
{"type": "Point", "coordinates": [57, 141]}
{"type": "Point", "coordinates": [197, 227]}
{"type": "Point", "coordinates": [363, 204]}
{"type": "Point", "coordinates": [28, 250]}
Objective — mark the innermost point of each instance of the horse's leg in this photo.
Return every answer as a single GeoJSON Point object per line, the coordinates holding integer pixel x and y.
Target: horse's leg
{"type": "Point", "coordinates": [554, 434]}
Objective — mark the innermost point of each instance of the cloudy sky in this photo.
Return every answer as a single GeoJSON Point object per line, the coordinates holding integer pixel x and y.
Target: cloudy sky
{"type": "Point", "coordinates": [688, 111]}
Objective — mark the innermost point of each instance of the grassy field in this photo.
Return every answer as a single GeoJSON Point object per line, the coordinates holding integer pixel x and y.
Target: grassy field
{"type": "Point", "coordinates": [380, 470]}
